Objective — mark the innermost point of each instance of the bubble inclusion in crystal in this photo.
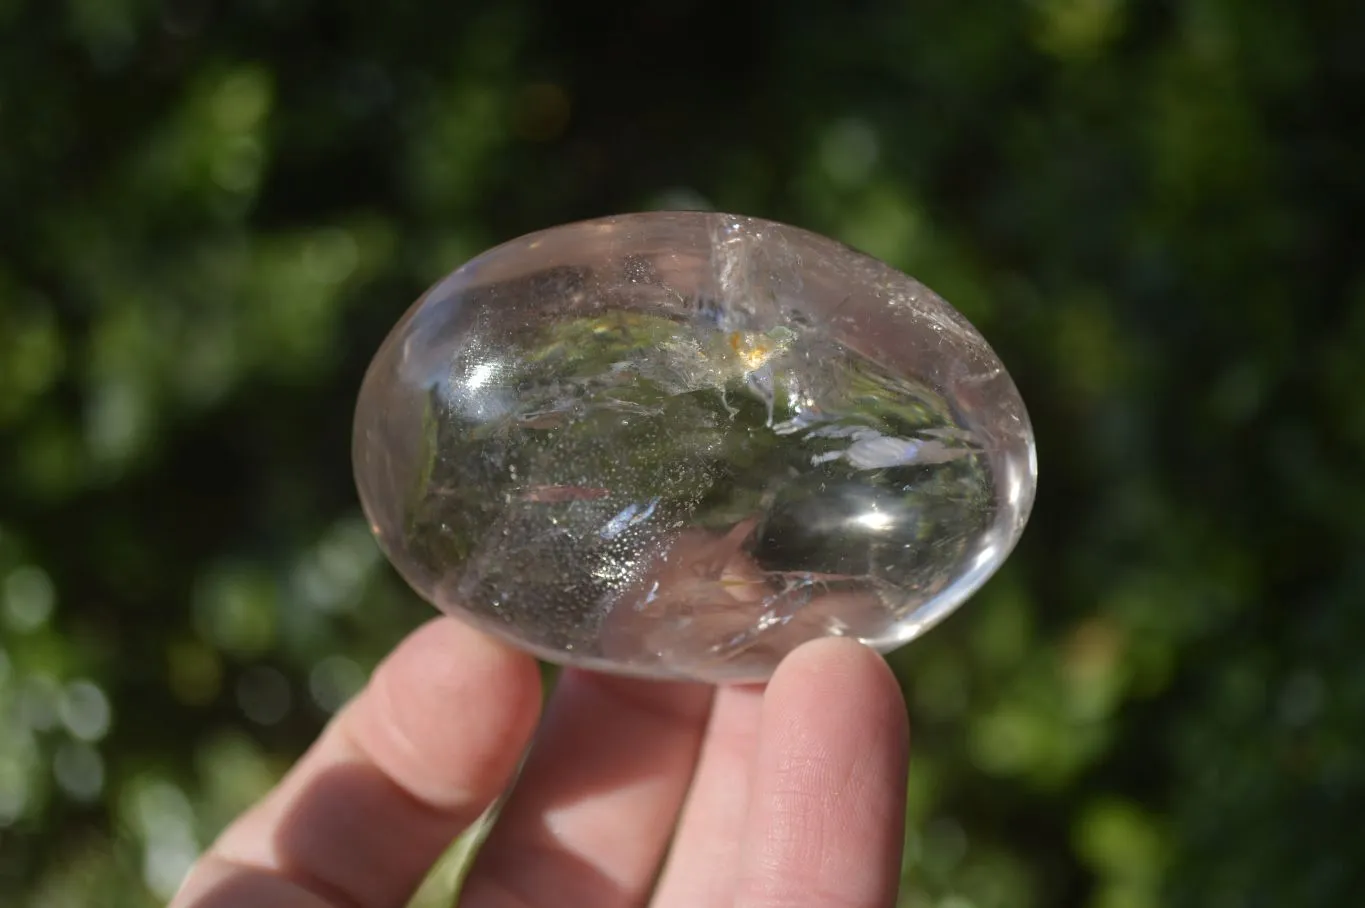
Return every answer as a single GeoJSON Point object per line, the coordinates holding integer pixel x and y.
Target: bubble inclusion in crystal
{"type": "Point", "coordinates": [680, 444]}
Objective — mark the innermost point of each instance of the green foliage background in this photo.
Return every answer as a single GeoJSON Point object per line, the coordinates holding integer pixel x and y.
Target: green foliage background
{"type": "Point", "coordinates": [211, 213]}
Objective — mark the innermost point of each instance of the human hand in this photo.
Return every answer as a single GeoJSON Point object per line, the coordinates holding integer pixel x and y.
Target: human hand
{"type": "Point", "coordinates": [789, 795]}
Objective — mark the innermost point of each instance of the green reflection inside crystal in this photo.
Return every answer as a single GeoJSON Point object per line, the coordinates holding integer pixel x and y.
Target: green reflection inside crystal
{"type": "Point", "coordinates": [564, 460]}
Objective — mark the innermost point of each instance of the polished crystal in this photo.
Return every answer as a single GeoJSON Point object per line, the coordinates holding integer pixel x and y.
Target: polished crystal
{"type": "Point", "coordinates": [681, 444]}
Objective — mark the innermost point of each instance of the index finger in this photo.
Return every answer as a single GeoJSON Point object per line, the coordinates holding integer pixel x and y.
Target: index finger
{"type": "Point", "coordinates": [402, 770]}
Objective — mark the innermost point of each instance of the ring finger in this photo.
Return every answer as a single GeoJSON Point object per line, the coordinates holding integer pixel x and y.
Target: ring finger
{"type": "Point", "coordinates": [589, 821]}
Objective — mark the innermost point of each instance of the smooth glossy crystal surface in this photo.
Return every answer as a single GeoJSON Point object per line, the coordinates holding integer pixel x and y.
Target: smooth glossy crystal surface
{"type": "Point", "coordinates": [681, 444]}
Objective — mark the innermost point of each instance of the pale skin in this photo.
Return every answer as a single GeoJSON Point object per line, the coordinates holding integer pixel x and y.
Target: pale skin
{"type": "Point", "coordinates": [634, 794]}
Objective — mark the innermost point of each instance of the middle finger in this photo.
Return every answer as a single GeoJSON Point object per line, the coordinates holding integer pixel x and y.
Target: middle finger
{"type": "Point", "coordinates": [592, 814]}
{"type": "Point", "coordinates": [703, 864]}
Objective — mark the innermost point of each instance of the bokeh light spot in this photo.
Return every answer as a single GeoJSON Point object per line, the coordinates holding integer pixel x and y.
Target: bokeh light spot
{"type": "Point", "coordinates": [263, 694]}
{"type": "Point", "coordinates": [29, 598]}
{"type": "Point", "coordinates": [335, 680]}
{"type": "Point", "coordinates": [79, 770]}
{"type": "Point", "coordinates": [85, 710]}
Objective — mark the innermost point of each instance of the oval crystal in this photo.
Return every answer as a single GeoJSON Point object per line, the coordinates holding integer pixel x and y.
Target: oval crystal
{"type": "Point", "coordinates": [680, 444]}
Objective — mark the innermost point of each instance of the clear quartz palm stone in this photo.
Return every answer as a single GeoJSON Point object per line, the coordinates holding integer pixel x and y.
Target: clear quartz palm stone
{"type": "Point", "coordinates": [681, 444]}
